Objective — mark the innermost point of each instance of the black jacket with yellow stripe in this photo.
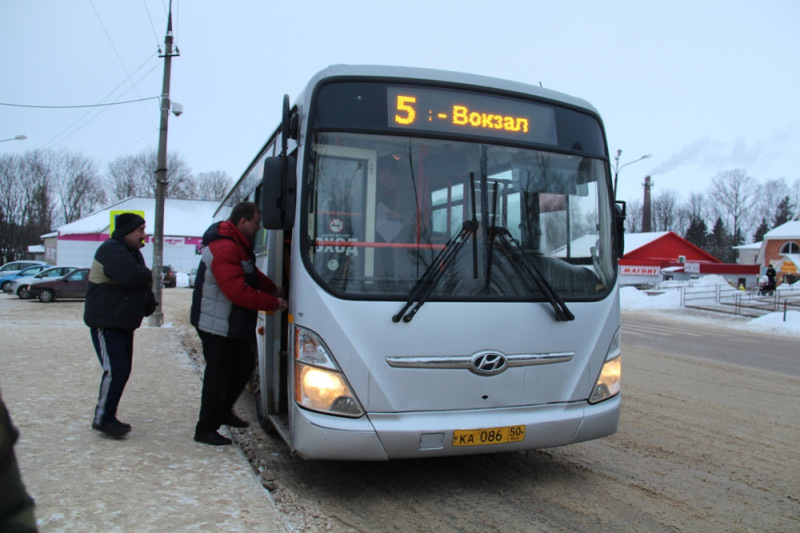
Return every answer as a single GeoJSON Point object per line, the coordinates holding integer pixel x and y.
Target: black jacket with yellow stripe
{"type": "Point", "coordinates": [118, 285]}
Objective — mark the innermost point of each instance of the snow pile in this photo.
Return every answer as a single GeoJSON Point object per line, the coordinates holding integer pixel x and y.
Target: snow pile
{"type": "Point", "coordinates": [668, 296]}
{"type": "Point", "coordinates": [632, 298]}
{"type": "Point", "coordinates": [775, 322]}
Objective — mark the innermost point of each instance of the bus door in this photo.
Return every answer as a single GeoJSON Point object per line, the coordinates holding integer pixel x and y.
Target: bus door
{"type": "Point", "coordinates": [344, 220]}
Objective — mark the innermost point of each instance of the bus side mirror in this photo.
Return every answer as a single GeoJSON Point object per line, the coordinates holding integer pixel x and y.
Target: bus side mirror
{"type": "Point", "coordinates": [278, 192]}
{"type": "Point", "coordinates": [620, 214]}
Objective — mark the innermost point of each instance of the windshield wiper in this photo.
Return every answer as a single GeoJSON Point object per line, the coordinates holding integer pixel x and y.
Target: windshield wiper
{"type": "Point", "coordinates": [434, 273]}
{"type": "Point", "coordinates": [519, 260]}
{"type": "Point", "coordinates": [523, 264]}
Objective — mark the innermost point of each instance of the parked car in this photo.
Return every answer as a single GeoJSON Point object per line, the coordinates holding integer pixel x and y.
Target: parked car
{"type": "Point", "coordinates": [192, 275]}
{"type": "Point", "coordinates": [15, 266]}
{"type": "Point", "coordinates": [20, 285]}
{"type": "Point", "coordinates": [72, 285]}
{"type": "Point", "coordinates": [7, 280]}
{"type": "Point", "coordinates": [170, 276]}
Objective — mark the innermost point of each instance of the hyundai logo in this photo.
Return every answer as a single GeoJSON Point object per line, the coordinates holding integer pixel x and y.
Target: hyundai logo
{"type": "Point", "coordinates": [488, 363]}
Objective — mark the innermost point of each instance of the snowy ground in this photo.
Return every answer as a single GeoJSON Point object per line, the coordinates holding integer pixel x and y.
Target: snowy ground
{"type": "Point", "coordinates": [633, 299]}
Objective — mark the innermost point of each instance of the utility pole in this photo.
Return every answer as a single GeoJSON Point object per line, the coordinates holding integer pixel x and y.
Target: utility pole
{"type": "Point", "coordinates": [157, 318]}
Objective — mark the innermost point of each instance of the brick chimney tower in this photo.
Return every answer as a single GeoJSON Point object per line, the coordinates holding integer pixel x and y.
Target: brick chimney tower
{"type": "Point", "coordinates": [647, 216]}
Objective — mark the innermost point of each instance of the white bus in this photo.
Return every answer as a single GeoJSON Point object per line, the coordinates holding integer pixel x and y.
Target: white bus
{"type": "Point", "coordinates": [449, 247]}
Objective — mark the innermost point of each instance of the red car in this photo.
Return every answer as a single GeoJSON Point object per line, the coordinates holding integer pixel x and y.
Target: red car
{"type": "Point", "coordinates": [72, 285]}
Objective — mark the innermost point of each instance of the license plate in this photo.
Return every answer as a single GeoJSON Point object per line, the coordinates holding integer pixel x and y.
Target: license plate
{"type": "Point", "coordinates": [482, 437]}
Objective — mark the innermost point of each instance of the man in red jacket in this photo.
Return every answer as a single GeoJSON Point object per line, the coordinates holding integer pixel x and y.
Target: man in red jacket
{"type": "Point", "coordinates": [228, 293]}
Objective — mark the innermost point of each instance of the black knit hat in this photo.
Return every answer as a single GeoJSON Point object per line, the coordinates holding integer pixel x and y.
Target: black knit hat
{"type": "Point", "coordinates": [126, 223]}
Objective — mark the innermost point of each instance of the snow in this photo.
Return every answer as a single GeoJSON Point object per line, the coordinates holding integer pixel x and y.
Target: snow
{"type": "Point", "coordinates": [634, 241]}
{"type": "Point", "coordinates": [789, 230]}
{"type": "Point", "coordinates": [668, 298]}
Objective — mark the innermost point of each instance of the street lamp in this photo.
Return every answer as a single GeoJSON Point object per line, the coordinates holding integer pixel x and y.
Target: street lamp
{"type": "Point", "coordinates": [617, 168]}
{"type": "Point", "coordinates": [15, 138]}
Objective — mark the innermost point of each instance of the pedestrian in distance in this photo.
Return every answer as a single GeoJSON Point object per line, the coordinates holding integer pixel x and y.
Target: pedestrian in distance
{"type": "Point", "coordinates": [771, 275]}
{"type": "Point", "coordinates": [229, 291]}
{"type": "Point", "coordinates": [119, 296]}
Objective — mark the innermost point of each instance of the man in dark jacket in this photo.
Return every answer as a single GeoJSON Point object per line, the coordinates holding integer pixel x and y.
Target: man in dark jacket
{"type": "Point", "coordinates": [119, 283]}
{"type": "Point", "coordinates": [228, 293]}
{"type": "Point", "coordinates": [771, 275]}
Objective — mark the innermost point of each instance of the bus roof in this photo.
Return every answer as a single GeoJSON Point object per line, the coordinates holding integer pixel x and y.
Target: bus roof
{"type": "Point", "coordinates": [450, 77]}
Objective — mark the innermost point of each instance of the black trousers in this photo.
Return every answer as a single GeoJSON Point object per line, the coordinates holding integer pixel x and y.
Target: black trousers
{"type": "Point", "coordinates": [114, 349]}
{"type": "Point", "coordinates": [229, 366]}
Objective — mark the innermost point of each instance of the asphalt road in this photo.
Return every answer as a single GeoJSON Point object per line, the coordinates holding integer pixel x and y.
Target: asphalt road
{"type": "Point", "coordinates": [727, 344]}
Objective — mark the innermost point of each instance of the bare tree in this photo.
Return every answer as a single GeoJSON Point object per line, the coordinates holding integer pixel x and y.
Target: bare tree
{"type": "Point", "coordinates": [212, 185]}
{"type": "Point", "coordinates": [633, 219]}
{"type": "Point", "coordinates": [78, 188]}
{"type": "Point", "coordinates": [134, 175]}
{"type": "Point", "coordinates": [733, 193]}
{"type": "Point", "coordinates": [691, 213]}
{"type": "Point", "coordinates": [794, 194]}
{"type": "Point", "coordinates": [683, 219]}
{"type": "Point", "coordinates": [9, 206]}
{"type": "Point", "coordinates": [25, 207]}
{"type": "Point", "coordinates": [768, 196]}
{"type": "Point", "coordinates": [44, 188]}
{"type": "Point", "coordinates": [665, 210]}
{"type": "Point", "coordinates": [696, 206]}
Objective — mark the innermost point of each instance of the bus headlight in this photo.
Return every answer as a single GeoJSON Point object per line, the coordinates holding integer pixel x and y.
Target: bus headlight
{"type": "Point", "coordinates": [319, 385]}
{"type": "Point", "coordinates": [608, 384]}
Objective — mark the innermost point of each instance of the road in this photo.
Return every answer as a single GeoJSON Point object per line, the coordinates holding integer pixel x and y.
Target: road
{"type": "Point", "coordinates": [707, 441]}
{"type": "Point", "coordinates": [759, 351]}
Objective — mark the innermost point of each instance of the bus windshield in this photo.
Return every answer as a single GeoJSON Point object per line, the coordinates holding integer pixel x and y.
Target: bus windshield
{"type": "Point", "coordinates": [381, 209]}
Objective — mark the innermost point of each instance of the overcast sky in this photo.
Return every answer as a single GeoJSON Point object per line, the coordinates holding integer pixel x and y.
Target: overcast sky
{"type": "Point", "coordinates": [703, 86]}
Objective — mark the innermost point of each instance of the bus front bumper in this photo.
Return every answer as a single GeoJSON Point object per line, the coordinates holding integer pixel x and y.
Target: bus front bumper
{"type": "Point", "coordinates": [383, 436]}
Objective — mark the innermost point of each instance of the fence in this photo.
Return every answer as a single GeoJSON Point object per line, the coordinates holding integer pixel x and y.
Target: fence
{"type": "Point", "coordinates": [726, 298]}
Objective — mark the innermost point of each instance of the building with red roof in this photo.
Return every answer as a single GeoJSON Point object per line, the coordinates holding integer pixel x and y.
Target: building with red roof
{"type": "Point", "coordinates": [650, 258]}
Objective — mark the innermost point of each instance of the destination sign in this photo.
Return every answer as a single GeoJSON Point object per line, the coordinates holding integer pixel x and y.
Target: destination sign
{"type": "Point", "coordinates": [455, 111]}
